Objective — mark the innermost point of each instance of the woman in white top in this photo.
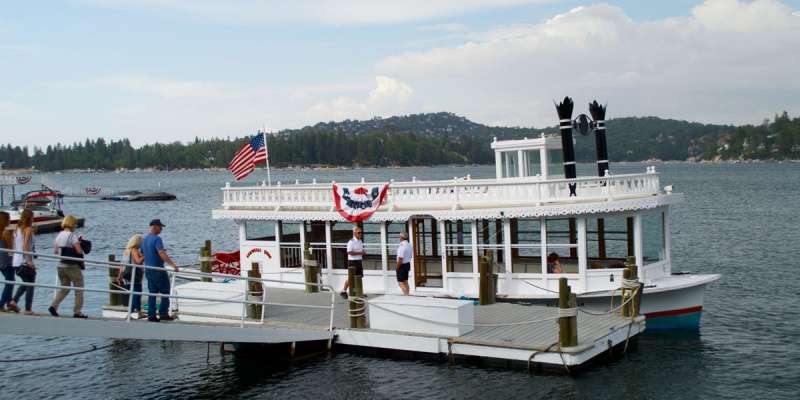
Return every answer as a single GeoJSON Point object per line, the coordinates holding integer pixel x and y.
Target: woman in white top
{"type": "Point", "coordinates": [23, 263]}
{"type": "Point", "coordinates": [67, 244]}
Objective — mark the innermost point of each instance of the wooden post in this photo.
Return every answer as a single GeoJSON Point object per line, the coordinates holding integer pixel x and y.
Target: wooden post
{"type": "Point", "coordinates": [352, 306]}
{"type": "Point", "coordinates": [573, 321]}
{"type": "Point", "coordinates": [114, 299]}
{"type": "Point", "coordinates": [205, 264]}
{"type": "Point", "coordinates": [630, 265]}
{"type": "Point", "coordinates": [255, 292]}
{"type": "Point", "coordinates": [485, 284]}
{"type": "Point", "coordinates": [564, 323]}
{"type": "Point", "coordinates": [310, 269]}
{"type": "Point", "coordinates": [626, 293]}
{"type": "Point", "coordinates": [361, 319]}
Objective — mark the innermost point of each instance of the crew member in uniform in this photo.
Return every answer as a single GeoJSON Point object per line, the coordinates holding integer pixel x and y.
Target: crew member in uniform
{"type": "Point", "coordinates": [404, 254]}
{"type": "Point", "coordinates": [355, 256]}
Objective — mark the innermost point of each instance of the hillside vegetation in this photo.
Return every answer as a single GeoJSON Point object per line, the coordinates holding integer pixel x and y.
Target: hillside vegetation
{"type": "Point", "coordinates": [424, 139]}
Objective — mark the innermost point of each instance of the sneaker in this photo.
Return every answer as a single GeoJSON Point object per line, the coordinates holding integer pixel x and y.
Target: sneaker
{"type": "Point", "coordinates": [343, 294]}
{"type": "Point", "coordinates": [166, 318]}
{"type": "Point", "coordinates": [154, 319]}
{"type": "Point", "coordinates": [53, 311]}
{"type": "Point", "coordinates": [79, 315]}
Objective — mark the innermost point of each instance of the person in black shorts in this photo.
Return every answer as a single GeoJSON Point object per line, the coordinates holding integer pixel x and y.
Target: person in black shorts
{"type": "Point", "coordinates": [355, 254]}
{"type": "Point", "coordinates": [404, 254]}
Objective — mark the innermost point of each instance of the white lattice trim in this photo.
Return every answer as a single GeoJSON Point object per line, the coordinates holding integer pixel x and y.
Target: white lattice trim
{"type": "Point", "coordinates": [601, 207]}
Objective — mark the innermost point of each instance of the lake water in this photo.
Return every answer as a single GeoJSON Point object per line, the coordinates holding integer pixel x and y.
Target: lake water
{"type": "Point", "coordinates": [739, 220]}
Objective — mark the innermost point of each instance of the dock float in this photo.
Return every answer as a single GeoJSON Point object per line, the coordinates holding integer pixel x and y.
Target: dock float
{"type": "Point", "coordinates": [501, 331]}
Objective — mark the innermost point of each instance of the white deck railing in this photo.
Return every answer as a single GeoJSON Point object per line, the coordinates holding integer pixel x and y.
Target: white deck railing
{"type": "Point", "coordinates": [183, 273]}
{"type": "Point", "coordinates": [453, 194]}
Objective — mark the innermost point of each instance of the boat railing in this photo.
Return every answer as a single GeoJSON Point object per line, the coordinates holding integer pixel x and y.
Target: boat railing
{"type": "Point", "coordinates": [454, 193]}
{"type": "Point", "coordinates": [173, 275]}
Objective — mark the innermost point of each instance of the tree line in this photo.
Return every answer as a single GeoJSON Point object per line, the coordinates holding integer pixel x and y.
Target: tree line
{"type": "Point", "coordinates": [422, 139]}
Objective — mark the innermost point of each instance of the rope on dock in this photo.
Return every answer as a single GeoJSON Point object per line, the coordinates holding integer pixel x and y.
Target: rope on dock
{"type": "Point", "coordinates": [615, 309]}
{"type": "Point", "coordinates": [358, 311]}
{"type": "Point", "coordinates": [43, 358]}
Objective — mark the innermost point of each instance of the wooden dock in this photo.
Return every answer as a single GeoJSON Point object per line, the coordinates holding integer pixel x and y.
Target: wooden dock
{"type": "Point", "coordinates": [49, 226]}
{"type": "Point", "coordinates": [500, 331]}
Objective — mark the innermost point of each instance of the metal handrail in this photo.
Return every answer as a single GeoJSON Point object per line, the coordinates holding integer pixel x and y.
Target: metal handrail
{"type": "Point", "coordinates": [174, 274]}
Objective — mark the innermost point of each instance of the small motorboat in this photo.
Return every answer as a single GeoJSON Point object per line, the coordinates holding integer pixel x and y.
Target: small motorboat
{"type": "Point", "coordinates": [135, 195]}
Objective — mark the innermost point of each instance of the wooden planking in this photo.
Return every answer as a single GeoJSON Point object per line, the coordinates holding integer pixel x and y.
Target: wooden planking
{"type": "Point", "coordinates": [536, 336]}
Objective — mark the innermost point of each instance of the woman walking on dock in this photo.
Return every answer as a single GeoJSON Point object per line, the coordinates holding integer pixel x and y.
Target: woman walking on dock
{"type": "Point", "coordinates": [134, 276]}
{"type": "Point", "coordinates": [67, 244]}
{"type": "Point", "coordinates": [6, 242]}
{"type": "Point", "coordinates": [23, 263]}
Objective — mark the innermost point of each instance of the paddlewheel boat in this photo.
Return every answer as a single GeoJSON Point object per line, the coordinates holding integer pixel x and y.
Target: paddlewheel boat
{"type": "Point", "coordinates": [532, 208]}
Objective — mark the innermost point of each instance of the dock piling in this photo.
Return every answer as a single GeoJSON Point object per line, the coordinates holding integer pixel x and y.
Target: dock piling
{"type": "Point", "coordinates": [114, 299]}
{"type": "Point", "coordinates": [566, 337]}
{"type": "Point", "coordinates": [205, 261]}
{"type": "Point", "coordinates": [255, 292]}
{"type": "Point", "coordinates": [487, 288]}
{"type": "Point", "coordinates": [310, 268]}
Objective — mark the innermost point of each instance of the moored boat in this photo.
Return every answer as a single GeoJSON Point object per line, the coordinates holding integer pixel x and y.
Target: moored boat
{"type": "Point", "coordinates": [533, 208]}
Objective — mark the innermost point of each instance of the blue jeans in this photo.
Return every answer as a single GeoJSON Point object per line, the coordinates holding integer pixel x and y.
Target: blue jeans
{"type": "Point", "coordinates": [157, 282]}
{"type": "Point", "coordinates": [136, 304]}
{"type": "Point", "coordinates": [8, 290]}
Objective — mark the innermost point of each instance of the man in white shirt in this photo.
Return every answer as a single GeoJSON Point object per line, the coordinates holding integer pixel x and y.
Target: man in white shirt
{"type": "Point", "coordinates": [404, 254]}
{"type": "Point", "coordinates": [355, 255]}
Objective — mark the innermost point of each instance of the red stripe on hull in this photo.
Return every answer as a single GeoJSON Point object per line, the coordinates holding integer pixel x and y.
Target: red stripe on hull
{"type": "Point", "coordinates": [670, 313]}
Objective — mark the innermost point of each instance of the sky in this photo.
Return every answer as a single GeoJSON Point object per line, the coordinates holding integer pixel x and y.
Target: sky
{"type": "Point", "coordinates": [173, 70]}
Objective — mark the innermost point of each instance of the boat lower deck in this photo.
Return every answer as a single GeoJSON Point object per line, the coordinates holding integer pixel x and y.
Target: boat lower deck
{"type": "Point", "coordinates": [505, 331]}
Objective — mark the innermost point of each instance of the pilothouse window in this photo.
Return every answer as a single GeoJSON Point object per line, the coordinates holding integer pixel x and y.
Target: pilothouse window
{"type": "Point", "coordinates": [653, 237]}
{"type": "Point", "coordinates": [259, 230]}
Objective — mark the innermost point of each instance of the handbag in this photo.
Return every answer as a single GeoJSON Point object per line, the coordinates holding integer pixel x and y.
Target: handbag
{"type": "Point", "coordinates": [69, 251]}
{"type": "Point", "coordinates": [27, 273]}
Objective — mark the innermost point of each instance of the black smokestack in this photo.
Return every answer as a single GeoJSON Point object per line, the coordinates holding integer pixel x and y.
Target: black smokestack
{"type": "Point", "coordinates": [599, 116]}
{"type": "Point", "coordinates": [565, 124]}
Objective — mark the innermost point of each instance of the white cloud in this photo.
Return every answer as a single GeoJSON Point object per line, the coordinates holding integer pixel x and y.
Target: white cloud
{"type": "Point", "coordinates": [730, 61]}
{"type": "Point", "coordinates": [446, 28]}
{"type": "Point", "coordinates": [388, 97]}
{"type": "Point", "coordinates": [335, 12]}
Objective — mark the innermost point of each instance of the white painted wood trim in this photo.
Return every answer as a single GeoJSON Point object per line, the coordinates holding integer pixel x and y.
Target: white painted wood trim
{"type": "Point", "coordinates": [443, 247]}
{"type": "Point", "coordinates": [581, 225]}
{"type": "Point", "coordinates": [328, 250]}
{"type": "Point", "coordinates": [474, 245]}
{"type": "Point", "coordinates": [507, 250]}
{"type": "Point", "coordinates": [543, 237]}
{"type": "Point", "coordinates": [637, 246]}
{"type": "Point", "coordinates": [667, 240]}
{"type": "Point", "coordinates": [385, 256]}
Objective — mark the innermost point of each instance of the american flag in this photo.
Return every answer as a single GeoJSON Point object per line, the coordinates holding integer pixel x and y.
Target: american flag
{"type": "Point", "coordinates": [245, 160]}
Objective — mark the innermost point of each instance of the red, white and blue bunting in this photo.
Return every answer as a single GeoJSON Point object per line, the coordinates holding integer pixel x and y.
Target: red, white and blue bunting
{"type": "Point", "coordinates": [24, 180]}
{"type": "Point", "coordinates": [359, 203]}
{"type": "Point", "coordinates": [93, 191]}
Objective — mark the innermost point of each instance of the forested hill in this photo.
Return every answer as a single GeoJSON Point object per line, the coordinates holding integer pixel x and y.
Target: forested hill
{"type": "Point", "coordinates": [424, 139]}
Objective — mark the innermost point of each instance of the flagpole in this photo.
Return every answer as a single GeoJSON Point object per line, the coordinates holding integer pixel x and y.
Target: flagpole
{"type": "Point", "coordinates": [266, 149]}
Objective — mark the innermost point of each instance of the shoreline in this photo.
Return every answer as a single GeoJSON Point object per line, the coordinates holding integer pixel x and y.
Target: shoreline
{"type": "Point", "coordinates": [17, 171]}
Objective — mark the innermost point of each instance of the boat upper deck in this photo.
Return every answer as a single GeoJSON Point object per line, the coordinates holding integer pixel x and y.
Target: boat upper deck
{"type": "Point", "coordinates": [454, 199]}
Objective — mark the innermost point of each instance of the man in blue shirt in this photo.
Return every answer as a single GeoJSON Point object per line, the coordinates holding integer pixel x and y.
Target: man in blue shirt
{"type": "Point", "coordinates": [157, 281]}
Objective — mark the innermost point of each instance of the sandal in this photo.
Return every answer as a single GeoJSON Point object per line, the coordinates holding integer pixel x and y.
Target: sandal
{"type": "Point", "coordinates": [12, 307]}
{"type": "Point", "coordinates": [79, 315]}
{"type": "Point", "coordinates": [29, 312]}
